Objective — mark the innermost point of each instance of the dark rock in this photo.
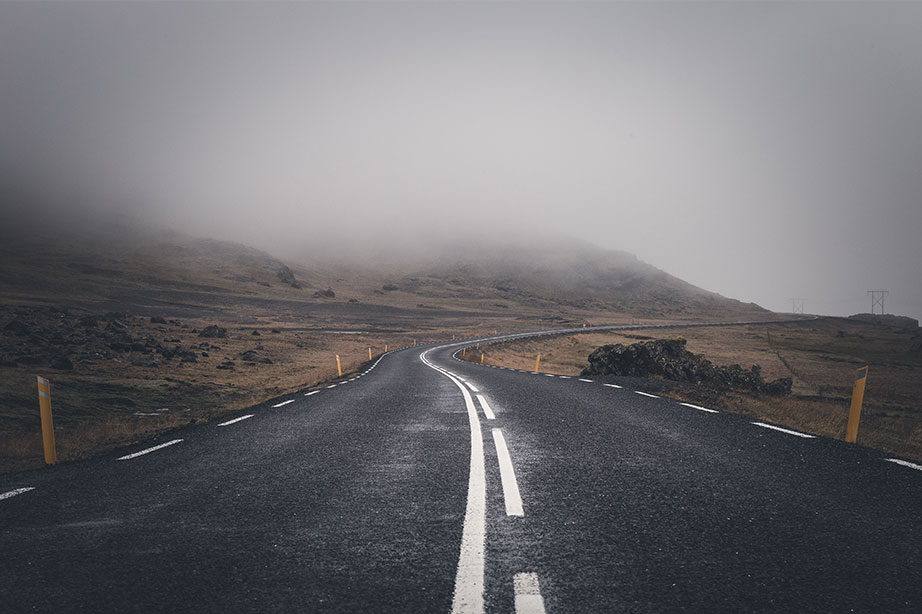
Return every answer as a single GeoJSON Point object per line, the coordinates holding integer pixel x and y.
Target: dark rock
{"type": "Point", "coordinates": [227, 365]}
{"type": "Point", "coordinates": [276, 331]}
{"type": "Point", "coordinates": [120, 346]}
{"type": "Point", "coordinates": [252, 356]}
{"type": "Point", "coordinates": [88, 321]}
{"type": "Point", "coordinates": [157, 320]}
{"type": "Point", "coordinates": [205, 354]}
{"type": "Point", "coordinates": [213, 332]}
{"type": "Point", "coordinates": [287, 277]}
{"type": "Point", "coordinates": [670, 360]}
{"type": "Point", "coordinates": [62, 363]}
{"type": "Point", "coordinates": [149, 362]}
{"type": "Point", "coordinates": [17, 327]}
{"type": "Point", "coordinates": [328, 293]}
{"type": "Point", "coordinates": [353, 300]}
{"type": "Point", "coordinates": [389, 287]}
{"type": "Point", "coordinates": [189, 357]}
{"type": "Point", "coordinates": [255, 333]}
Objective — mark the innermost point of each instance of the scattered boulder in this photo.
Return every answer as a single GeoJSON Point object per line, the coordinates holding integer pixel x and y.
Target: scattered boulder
{"type": "Point", "coordinates": [276, 331]}
{"type": "Point", "coordinates": [253, 356]}
{"type": "Point", "coordinates": [389, 287]}
{"type": "Point", "coordinates": [328, 293]}
{"type": "Point", "coordinates": [149, 362]}
{"type": "Point", "coordinates": [226, 365]}
{"type": "Point", "coordinates": [213, 332]}
{"type": "Point", "coordinates": [17, 327]}
{"type": "Point", "coordinates": [287, 277]}
{"type": "Point", "coordinates": [157, 320]}
{"type": "Point", "coordinates": [255, 333]}
{"type": "Point", "coordinates": [670, 360]}
{"type": "Point", "coordinates": [62, 363]}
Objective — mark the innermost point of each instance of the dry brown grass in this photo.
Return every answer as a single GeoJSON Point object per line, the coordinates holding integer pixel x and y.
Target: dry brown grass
{"type": "Point", "coordinates": [821, 356]}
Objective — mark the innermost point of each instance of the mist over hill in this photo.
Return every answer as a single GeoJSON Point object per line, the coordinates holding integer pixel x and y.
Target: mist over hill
{"type": "Point", "coordinates": [90, 254]}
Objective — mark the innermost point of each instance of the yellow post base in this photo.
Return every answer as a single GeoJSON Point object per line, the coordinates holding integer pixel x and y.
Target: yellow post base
{"type": "Point", "coordinates": [44, 405]}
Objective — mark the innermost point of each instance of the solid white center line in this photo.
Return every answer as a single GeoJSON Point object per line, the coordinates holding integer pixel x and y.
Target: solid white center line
{"type": "Point", "coordinates": [472, 387]}
{"type": "Point", "coordinates": [507, 476]}
{"type": "Point", "coordinates": [148, 450]}
{"type": "Point", "coordinates": [307, 394]}
{"type": "Point", "coordinates": [889, 460]}
{"type": "Point", "coordinates": [469, 578]}
{"type": "Point", "coordinates": [585, 380]}
{"type": "Point", "coordinates": [646, 394]}
{"type": "Point", "coordinates": [18, 491]}
{"type": "Point", "coordinates": [528, 599]}
{"type": "Point", "coordinates": [236, 420]}
{"type": "Point", "coordinates": [612, 385]}
{"type": "Point", "coordinates": [698, 407]}
{"type": "Point", "coordinates": [487, 410]}
{"type": "Point", "coordinates": [778, 428]}
{"type": "Point", "coordinates": [284, 403]}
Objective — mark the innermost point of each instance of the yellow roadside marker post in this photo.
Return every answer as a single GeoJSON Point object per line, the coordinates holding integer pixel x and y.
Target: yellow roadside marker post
{"type": "Point", "coordinates": [44, 405]}
{"type": "Point", "coordinates": [854, 414]}
{"type": "Point", "coordinates": [339, 366]}
{"type": "Point", "coordinates": [414, 343]}
{"type": "Point", "coordinates": [369, 353]}
{"type": "Point", "coordinates": [537, 362]}
{"type": "Point", "coordinates": [463, 352]}
{"type": "Point", "coordinates": [385, 348]}
{"type": "Point", "coordinates": [481, 358]}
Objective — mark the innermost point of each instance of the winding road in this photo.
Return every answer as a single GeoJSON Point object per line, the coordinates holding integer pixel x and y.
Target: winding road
{"type": "Point", "coordinates": [428, 484]}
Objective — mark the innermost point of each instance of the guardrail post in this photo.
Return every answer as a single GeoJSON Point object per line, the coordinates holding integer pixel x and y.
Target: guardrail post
{"type": "Point", "coordinates": [854, 414]}
{"type": "Point", "coordinates": [44, 405]}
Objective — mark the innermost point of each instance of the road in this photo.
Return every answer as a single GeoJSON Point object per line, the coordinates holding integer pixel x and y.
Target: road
{"type": "Point", "coordinates": [427, 484]}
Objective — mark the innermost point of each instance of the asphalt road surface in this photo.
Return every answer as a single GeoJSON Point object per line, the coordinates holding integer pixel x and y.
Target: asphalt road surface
{"type": "Point", "coordinates": [427, 484]}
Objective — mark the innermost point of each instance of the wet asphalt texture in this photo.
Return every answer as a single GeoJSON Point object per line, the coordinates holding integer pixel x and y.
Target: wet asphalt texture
{"type": "Point", "coordinates": [353, 500]}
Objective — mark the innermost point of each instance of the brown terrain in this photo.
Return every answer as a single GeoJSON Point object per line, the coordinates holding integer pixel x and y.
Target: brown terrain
{"type": "Point", "coordinates": [820, 356]}
{"type": "Point", "coordinates": [144, 329]}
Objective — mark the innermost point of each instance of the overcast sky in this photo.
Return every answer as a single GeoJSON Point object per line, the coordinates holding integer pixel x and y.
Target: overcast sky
{"type": "Point", "coordinates": [763, 151]}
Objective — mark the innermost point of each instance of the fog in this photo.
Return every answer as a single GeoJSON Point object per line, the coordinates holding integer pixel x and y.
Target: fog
{"type": "Point", "coordinates": [763, 151]}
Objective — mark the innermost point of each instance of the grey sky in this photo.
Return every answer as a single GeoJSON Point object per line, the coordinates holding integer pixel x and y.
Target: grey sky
{"type": "Point", "coordinates": [763, 151]}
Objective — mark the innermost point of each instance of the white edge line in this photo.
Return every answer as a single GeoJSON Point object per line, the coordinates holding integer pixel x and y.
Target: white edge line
{"type": "Point", "coordinates": [646, 394]}
{"type": "Point", "coordinates": [507, 476]}
{"type": "Point", "coordinates": [788, 431]}
{"type": "Point", "coordinates": [613, 385]}
{"type": "Point", "coordinates": [307, 394]}
{"type": "Point", "coordinates": [588, 381]}
{"type": "Point", "coordinates": [148, 450]}
{"type": "Point", "coordinates": [13, 493]}
{"type": "Point", "coordinates": [699, 408]}
{"type": "Point", "coordinates": [898, 461]}
{"type": "Point", "coordinates": [472, 387]}
{"type": "Point", "coordinates": [284, 403]}
{"type": "Point", "coordinates": [229, 422]}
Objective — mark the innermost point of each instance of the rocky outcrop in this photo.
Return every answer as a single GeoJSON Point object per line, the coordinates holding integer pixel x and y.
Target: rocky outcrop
{"type": "Point", "coordinates": [670, 359]}
{"type": "Point", "coordinates": [287, 277]}
{"type": "Point", "coordinates": [328, 293]}
{"type": "Point", "coordinates": [213, 332]}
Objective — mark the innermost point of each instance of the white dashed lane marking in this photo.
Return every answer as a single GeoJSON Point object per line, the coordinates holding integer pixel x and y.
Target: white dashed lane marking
{"type": "Point", "coordinates": [897, 461]}
{"type": "Point", "coordinates": [588, 381]}
{"type": "Point", "coordinates": [788, 431]}
{"type": "Point", "coordinates": [487, 410]}
{"type": "Point", "coordinates": [612, 385]}
{"type": "Point", "coordinates": [699, 408]}
{"type": "Point", "coordinates": [284, 403]}
{"type": "Point", "coordinates": [307, 394]}
{"type": "Point", "coordinates": [507, 476]}
{"type": "Point", "coordinates": [13, 493]}
{"type": "Point", "coordinates": [148, 450]}
{"type": "Point", "coordinates": [646, 394]}
{"type": "Point", "coordinates": [241, 418]}
{"type": "Point", "coordinates": [528, 599]}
